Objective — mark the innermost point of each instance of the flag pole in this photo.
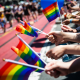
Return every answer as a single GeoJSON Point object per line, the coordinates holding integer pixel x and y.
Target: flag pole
{"type": "Point", "coordinates": [37, 29]}
{"type": "Point", "coordinates": [23, 64]}
{"type": "Point", "coordinates": [30, 48]}
{"type": "Point", "coordinates": [59, 12]}
{"type": "Point", "coordinates": [40, 30]}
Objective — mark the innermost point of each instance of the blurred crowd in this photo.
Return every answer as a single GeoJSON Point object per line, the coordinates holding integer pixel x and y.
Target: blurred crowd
{"type": "Point", "coordinates": [26, 11]}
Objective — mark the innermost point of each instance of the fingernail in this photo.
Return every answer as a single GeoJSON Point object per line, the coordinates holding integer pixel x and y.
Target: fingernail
{"type": "Point", "coordinates": [48, 72]}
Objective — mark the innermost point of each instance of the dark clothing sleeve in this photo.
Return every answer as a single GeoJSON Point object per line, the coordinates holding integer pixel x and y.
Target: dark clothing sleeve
{"type": "Point", "coordinates": [78, 29]}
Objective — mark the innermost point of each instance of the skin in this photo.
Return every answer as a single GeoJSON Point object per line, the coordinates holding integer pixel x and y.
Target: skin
{"type": "Point", "coordinates": [59, 37]}
{"type": "Point", "coordinates": [59, 51]}
{"type": "Point", "coordinates": [66, 28]}
{"type": "Point", "coordinates": [58, 68]}
{"type": "Point", "coordinates": [73, 8]}
{"type": "Point", "coordinates": [67, 21]}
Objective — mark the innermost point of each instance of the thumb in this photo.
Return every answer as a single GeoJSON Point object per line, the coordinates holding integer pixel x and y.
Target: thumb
{"type": "Point", "coordinates": [51, 67]}
{"type": "Point", "coordinates": [54, 33]}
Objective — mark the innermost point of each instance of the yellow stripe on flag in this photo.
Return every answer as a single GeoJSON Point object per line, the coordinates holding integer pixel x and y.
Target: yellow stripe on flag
{"type": "Point", "coordinates": [53, 10]}
{"type": "Point", "coordinates": [29, 29]}
{"type": "Point", "coordinates": [12, 72]}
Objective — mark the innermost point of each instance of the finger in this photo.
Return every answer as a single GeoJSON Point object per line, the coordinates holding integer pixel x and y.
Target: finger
{"type": "Point", "coordinates": [56, 73]}
{"type": "Point", "coordinates": [47, 36]}
{"type": "Point", "coordinates": [48, 72]}
{"type": "Point", "coordinates": [64, 29]}
{"type": "Point", "coordinates": [53, 33]}
{"type": "Point", "coordinates": [51, 37]}
{"type": "Point", "coordinates": [48, 55]}
{"type": "Point", "coordinates": [49, 64]}
{"type": "Point", "coordinates": [52, 40]}
{"type": "Point", "coordinates": [63, 22]}
{"type": "Point", "coordinates": [65, 26]}
{"type": "Point", "coordinates": [53, 67]}
{"type": "Point", "coordinates": [49, 52]}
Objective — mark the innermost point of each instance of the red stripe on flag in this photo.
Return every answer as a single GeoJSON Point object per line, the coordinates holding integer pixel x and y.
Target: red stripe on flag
{"type": "Point", "coordinates": [52, 6]}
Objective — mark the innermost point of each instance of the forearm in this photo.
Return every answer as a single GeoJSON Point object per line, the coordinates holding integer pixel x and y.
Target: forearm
{"type": "Point", "coordinates": [68, 36]}
{"type": "Point", "coordinates": [74, 37]}
{"type": "Point", "coordinates": [74, 65]}
{"type": "Point", "coordinates": [72, 49]}
{"type": "Point", "coordinates": [76, 21]}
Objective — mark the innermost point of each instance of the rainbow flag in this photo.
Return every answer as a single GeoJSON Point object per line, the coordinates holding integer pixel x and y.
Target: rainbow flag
{"type": "Point", "coordinates": [28, 55]}
{"type": "Point", "coordinates": [29, 29]}
{"type": "Point", "coordinates": [29, 25]}
{"type": "Point", "coordinates": [11, 71]}
{"type": "Point", "coordinates": [22, 30]}
{"type": "Point", "coordinates": [51, 12]}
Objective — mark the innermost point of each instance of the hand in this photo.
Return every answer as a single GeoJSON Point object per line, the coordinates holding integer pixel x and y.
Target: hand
{"type": "Point", "coordinates": [66, 22]}
{"type": "Point", "coordinates": [56, 37]}
{"type": "Point", "coordinates": [66, 28]}
{"type": "Point", "coordinates": [56, 52]}
{"type": "Point", "coordinates": [57, 68]}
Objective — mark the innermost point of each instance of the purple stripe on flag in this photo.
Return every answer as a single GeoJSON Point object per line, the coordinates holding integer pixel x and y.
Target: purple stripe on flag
{"type": "Point", "coordinates": [27, 74]}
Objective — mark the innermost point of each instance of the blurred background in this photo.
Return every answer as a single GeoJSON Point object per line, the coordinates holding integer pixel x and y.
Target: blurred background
{"type": "Point", "coordinates": [25, 10]}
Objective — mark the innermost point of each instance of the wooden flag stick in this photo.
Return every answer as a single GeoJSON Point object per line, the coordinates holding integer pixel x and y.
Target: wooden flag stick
{"type": "Point", "coordinates": [39, 30]}
{"type": "Point", "coordinates": [23, 64]}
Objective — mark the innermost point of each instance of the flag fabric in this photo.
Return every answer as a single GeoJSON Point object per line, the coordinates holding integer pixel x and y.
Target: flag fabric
{"type": "Point", "coordinates": [22, 30]}
{"type": "Point", "coordinates": [34, 28]}
{"type": "Point", "coordinates": [29, 25]}
{"type": "Point", "coordinates": [49, 2]}
{"type": "Point", "coordinates": [51, 12]}
{"type": "Point", "coordinates": [29, 29]}
{"type": "Point", "coordinates": [11, 71]}
{"type": "Point", "coordinates": [28, 55]}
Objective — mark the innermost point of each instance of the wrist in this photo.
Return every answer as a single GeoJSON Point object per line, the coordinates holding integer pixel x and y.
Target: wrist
{"type": "Point", "coordinates": [69, 36]}
{"type": "Point", "coordinates": [71, 20]}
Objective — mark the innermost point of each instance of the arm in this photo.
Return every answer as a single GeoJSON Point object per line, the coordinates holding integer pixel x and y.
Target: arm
{"type": "Point", "coordinates": [57, 37]}
{"type": "Point", "coordinates": [67, 21]}
{"type": "Point", "coordinates": [73, 8]}
{"type": "Point", "coordinates": [57, 68]}
{"type": "Point", "coordinates": [59, 51]}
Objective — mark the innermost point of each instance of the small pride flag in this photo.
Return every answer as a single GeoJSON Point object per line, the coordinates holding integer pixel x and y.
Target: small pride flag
{"type": "Point", "coordinates": [29, 25]}
{"type": "Point", "coordinates": [51, 12]}
{"type": "Point", "coordinates": [29, 29]}
{"type": "Point", "coordinates": [22, 30]}
{"type": "Point", "coordinates": [28, 54]}
{"type": "Point", "coordinates": [11, 71]}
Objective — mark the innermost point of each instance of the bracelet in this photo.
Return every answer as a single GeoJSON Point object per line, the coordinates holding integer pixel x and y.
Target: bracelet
{"type": "Point", "coordinates": [71, 20]}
